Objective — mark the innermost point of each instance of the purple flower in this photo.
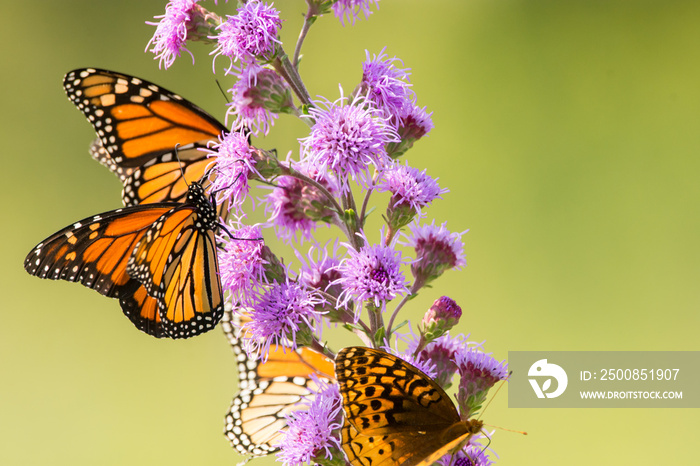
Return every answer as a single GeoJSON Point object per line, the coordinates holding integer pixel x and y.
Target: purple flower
{"type": "Point", "coordinates": [258, 97]}
{"type": "Point", "coordinates": [478, 373]}
{"type": "Point", "coordinates": [424, 365]}
{"type": "Point", "coordinates": [234, 165]}
{"type": "Point", "coordinates": [278, 315]}
{"type": "Point", "coordinates": [442, 352]}
{"type": "Point", "coordinates": [411, 191]}
{"type": "Point", "coordinates": [319, 269]}
{"type": "Point", "coordinates": [441, 317]}
{"type": "Point", "coordinates": [310, 429]}
{"type": "Point", "coordinates": [350, 9]}
{"type": "Point", "coordinates": [295, 206]}
{"type": "Point", "coordinates": [470, 455]}
{"type": "Point", "coordinates": [371, 274]}
{"type": "Point", "coordinates": [171, 31]}
{"type": "Point", "coordinates": [386, 85]}
{"type": "Point", "coordinates": [241, 263]}
{"type": "Point", "coordinates": [437, 250]}
{"type": "Point", "coordinates": [347, 139]}
{"type": "Point", "coordinates": [414, 123]}
{"type": "Point", "coordinates": [251, 34]}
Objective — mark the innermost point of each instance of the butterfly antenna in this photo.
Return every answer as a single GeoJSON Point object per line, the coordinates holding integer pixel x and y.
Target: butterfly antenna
{"type": "Point", "coordinates": [223, 92]}
{"type": "Point", "coordinates": [177, 156]}
{"type": "Point", "coordinates": [496, 393]}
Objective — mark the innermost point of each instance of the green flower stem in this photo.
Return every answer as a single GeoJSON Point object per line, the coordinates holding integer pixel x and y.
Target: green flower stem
{"type": "Point", "coordinates": [289, 73]}
{"type": "Point", "coordinates": [405, 299]}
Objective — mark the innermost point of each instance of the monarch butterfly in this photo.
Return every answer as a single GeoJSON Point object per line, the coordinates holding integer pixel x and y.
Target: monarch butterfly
{"type": "Point", "coordinates": [255, 422]}
{"type": "Point", "coordinates": [139, 125]}
{"type": "Point", "coordinates": [159, 260]}
{"type": "Point", "coordinates": [394, 413]}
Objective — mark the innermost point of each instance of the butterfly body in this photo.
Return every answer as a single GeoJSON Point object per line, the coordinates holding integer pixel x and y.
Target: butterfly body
{"type": "Point", "coordinates": [158, 259]}
{"type": "Point", "coordinates": [394, 413]}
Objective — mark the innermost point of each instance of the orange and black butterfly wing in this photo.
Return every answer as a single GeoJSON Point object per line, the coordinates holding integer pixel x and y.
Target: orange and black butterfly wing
{"type": "Point", "coordinates": [143, 311]}
{"type": "Point", "coordinates": [136, 120]}
{"type": "Point", "coordinates": [255, 422]}
{"type": "Point", "coordinates": [99, 153]}
{"type": "Point", "coordinates": [139, 125]}
{"type": "Point", "coordinates": [95, 251]}
{"type": "Point", "coordinates": [394, 413]}
{"type": "Point", "coordinates": [176, 262]}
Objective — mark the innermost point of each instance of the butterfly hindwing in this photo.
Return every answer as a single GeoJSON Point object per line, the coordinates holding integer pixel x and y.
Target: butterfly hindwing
{"type": "Point", "coordinates": [176, 262]}
{"type": "Point", "coordinates": [394, 413]}
{"type": "Point", "coordinates": [255, 422]}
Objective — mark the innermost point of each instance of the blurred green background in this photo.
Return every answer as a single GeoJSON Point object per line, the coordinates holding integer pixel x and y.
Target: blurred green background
{"type": "Point", "coordinates": [567, 132]}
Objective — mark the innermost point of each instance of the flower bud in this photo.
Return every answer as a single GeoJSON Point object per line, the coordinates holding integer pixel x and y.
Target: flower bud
{"type": "Point", "coordinates": [441, 317]}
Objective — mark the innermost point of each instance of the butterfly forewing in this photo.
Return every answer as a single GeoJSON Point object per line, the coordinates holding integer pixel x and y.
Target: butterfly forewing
{"type": "Point", "coordinates": [394, 413]}
{"type": "Point", "coordinates": [383, 394]}
{"type": "Point", "coordinates": [136, 120]}
{"type": "Point", "coordinates": [147, 135]}
{"type": "Point", "coordinates": [95, 251]}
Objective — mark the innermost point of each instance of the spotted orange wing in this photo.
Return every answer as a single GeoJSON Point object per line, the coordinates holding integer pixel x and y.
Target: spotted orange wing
{"type": "Point", "coordinates": [176, 261]}
{"type": "Point", "coordinates": [139, 125]}
{"type": "Point", "coordinates": [394, 413]}
{"type": "Point", "coordinates": [95, 252]}
{"type": "Point", "coordinates": [255, 422]}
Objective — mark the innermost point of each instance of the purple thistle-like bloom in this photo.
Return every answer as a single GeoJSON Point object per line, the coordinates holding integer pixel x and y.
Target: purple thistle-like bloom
{"type": "Point", "coordinates": [409, 187]}
{"type": "Point", "coordinates": [170, 37]}
{"type": "Point", "coordinates": [234, 165]}
{"type": "Point", "coordinates": [442, 352]}
{"type": "Point", "coordinates": [470, 455]}
{"type": "Point", "coordinates": [371, 274]}
{"type": "Point", "coordinates": [347, 138]}
{"type": "Point", "coordinates": [319, 269]}
{"type": "Point", "coordinates": [257, 98]}
{"type": "Point", "coordinates": [414, 123]}
{"type": "Point", "coordinates": [241, 263]}
{"type": "Point", "coordinates": [295, 206]}
{"type": "Point", "coordinates": [310, 431]}
{"type": "Point", "coordinates": [350, 9]}
{"type": "Point", "coordinates": [478, 373]}
{"type": "Point", "coordinates": [386, 85]}
{"type": "Point", "coordinates": [437, 250]}
{"type": "Point", "coordinates": [278, 315]}
{"type": "Point", "coordinates": [251, 34]}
